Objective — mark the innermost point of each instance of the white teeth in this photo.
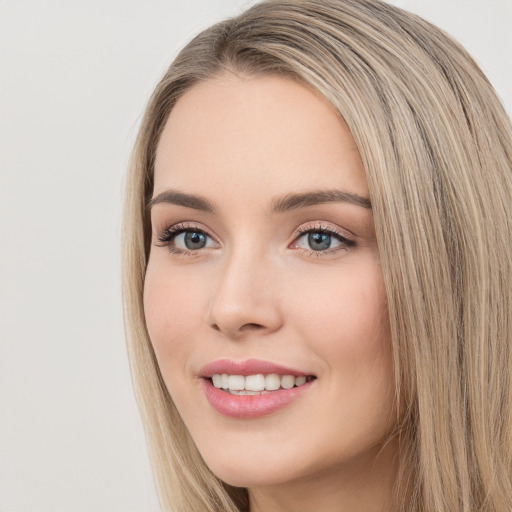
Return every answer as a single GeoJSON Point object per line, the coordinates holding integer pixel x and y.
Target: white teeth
{"type": "Point", "coordinates": [287, 381]}
{"type": "Point", "coordinates": [256, 384]}
{"type": "Point", "coordinates": [272, 382]}
{"type": "Point", "coordinates": [236, 382]}
{"type": "Point", "coordinates": [300, 380]}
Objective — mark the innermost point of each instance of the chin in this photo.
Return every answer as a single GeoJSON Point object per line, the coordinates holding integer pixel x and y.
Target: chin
{"type": "Point", "coordinates": [249, 475]}
{"type": "Point", "coordinates": [252, 468]}
{"type": "Point", "coordinates": [240, 466]}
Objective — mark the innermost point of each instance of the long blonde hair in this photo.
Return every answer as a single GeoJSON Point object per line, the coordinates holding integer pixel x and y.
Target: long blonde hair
{"type": "Point", "coordinates": [437, 149]}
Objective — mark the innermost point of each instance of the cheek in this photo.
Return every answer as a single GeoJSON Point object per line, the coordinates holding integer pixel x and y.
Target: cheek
{"type": "Point", "coordinates": [349, 306]}
{"type": "Point", "coordinates": [175, 311]}
{"type": "Point", "coordinates": [345, 322]}
{"type": "Point", "coordinates": [172, 311]}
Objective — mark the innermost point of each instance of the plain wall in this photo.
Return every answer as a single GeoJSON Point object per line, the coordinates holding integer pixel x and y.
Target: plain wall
{"type": "Point", "coordinates": [74, 78]}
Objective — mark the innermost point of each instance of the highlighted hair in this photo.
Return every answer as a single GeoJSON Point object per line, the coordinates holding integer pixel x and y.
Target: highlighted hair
{"type": "Point", "coordinates": [436, 144]}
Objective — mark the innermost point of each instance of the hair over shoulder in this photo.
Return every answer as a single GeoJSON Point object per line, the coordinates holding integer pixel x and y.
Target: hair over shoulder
{"type": "Point", "coordinates": [436, 145]}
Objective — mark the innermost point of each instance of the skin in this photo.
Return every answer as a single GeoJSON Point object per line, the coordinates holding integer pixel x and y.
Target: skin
{"type": "Point", "coordinates": [258, 290]}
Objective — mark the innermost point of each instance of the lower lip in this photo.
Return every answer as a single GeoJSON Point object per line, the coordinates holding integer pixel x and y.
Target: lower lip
{"type": "Point", "coordinates": [251, 406]}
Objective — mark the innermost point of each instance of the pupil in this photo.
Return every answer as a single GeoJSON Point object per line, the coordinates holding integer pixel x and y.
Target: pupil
{"type": "Point", "coordinates": [319, 241]}
{"type": "Point", "coordinates": [195, 240]}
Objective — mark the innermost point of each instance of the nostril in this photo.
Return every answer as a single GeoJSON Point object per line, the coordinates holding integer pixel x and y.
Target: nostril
{"type": "Point", "coordinates": [244, 329]}
{"type": "Point", "coordinates": [251, 327]}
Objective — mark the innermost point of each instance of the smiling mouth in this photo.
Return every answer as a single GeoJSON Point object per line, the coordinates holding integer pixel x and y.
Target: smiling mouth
{"type": "Point", "coordinates": [257, 384]}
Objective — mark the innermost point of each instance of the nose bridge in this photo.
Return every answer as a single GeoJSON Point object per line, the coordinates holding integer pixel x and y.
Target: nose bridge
{"type": "Point", "coordinates": [245, 298]}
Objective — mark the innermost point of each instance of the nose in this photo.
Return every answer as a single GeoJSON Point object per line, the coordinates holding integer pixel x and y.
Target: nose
{"type": "Point", "coordinates": [246, 298]}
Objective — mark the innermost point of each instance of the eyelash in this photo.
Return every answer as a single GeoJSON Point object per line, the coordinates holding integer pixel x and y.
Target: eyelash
{"type": "Point", "coordinates": [346, 243]}
{"type": "Point", "coordinates": [169, 234]}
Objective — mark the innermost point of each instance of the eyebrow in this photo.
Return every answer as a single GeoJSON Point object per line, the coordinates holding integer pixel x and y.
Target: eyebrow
{"type": "Point", "coordinates": [279, 205]}
{"type": "Point", "coordinates": [294, 201]}
{"type": "Point", "coordinates": [182, 199]}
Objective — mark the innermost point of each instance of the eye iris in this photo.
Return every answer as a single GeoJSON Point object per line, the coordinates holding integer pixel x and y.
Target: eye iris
{"type": "Point", "coordinates": [319, 241]}
{"type": "Point", "coordinates": [194, 240]}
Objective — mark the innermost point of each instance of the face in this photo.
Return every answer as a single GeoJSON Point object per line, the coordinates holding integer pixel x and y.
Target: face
{"type": "Point", "coordinates": [264, 297]}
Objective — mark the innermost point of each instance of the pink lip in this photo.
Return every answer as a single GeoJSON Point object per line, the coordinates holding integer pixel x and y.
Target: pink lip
{"type": "Point", "coordinates": [249, 406]}
{"type": "Point", "coordinates": [248, 367]}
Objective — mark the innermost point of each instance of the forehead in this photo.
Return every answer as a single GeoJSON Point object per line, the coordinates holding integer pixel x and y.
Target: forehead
{"type": "Point", "coordinates": [263, 133]}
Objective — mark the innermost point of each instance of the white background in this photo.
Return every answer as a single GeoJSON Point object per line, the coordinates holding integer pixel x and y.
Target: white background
{"type": "Point", "coordinates": [74, 78]}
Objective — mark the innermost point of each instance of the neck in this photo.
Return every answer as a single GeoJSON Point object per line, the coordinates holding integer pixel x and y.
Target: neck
{"type": "Point", "coordinates": [362, 485]}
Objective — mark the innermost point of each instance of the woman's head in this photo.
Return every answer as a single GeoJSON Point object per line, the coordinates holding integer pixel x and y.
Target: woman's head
{"type": "Point", "coordinates": [433, 148]}
{"type": "Point", "coordinates": [264, 266]}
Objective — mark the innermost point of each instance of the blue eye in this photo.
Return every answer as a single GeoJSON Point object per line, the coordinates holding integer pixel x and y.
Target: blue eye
{"type": "Point", "coordinates": [192, 240]}
{"type": "Point", "coordinates": [184, 239]}
{"type": "Point", "coordinates": [322, 240]}
{"type": "Point", "coordinates": [319, 241]}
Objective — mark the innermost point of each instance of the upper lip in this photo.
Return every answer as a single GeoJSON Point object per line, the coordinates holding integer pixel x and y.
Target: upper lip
{"type": "Point", "coordinates": [247, 367]}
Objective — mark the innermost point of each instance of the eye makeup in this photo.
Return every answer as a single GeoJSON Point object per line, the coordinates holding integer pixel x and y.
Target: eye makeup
{"type": "Point", "coordinates": [322, 240]}
{"type": "Point", "coordinates": [189, 236]}
{"type": "Point", "coordinates": [189, 239]}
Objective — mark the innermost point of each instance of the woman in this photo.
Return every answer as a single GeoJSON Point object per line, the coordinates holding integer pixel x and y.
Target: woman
{"type": "Point", "coordinates": [317, 267]}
